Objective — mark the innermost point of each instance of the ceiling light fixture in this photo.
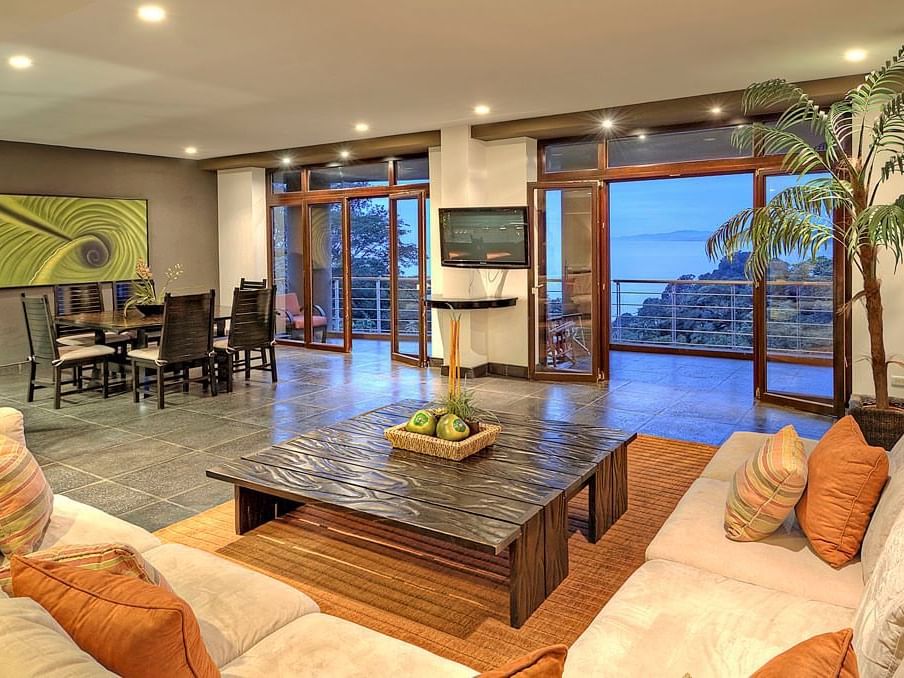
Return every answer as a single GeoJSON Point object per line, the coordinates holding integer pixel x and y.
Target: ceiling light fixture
{"type": "Point", "coordinates": [481, 109]}
{"type": "Point", "coordinates": [191, 150]}
{"type": "Point", "coordinates": [716, 110]}
{"type": "Point", "coordinates": [344, 154]}
{"type": "Point", "coordinates": [286, 161]}
{"type": "Point", "coordinates": [642, 136]}
{"type": "Point", "coordinates": [20, 62]}
{"type": "Point", "coordinates": [153, 14]}
{"type": "Point", "coordinates": [855, 54]}
{"type": "Point", "coordinates": [361, 127]}
{"type": "Point", "coordinates": [607, 123]}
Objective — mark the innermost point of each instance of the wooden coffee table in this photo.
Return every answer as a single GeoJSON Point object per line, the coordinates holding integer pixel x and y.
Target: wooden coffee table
{"type": "Point", "coordinates": [510, 497]}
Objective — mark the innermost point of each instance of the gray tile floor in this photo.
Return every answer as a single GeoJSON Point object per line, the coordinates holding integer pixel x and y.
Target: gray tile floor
{"type": "Point", "coordinates": [147, 466]}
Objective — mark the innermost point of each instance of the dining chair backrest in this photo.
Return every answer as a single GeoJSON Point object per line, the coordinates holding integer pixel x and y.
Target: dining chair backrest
{"type": "Point", "coordinates": [42, 338]}
{"type": "Point", "coordinates": [246, 284]}
{"type": "Point", "coordinates": [252, 324]}
{"type": "Point", "coordinates": [123, 290]}
{"type": "Point", "coordinates": [187, 327]}
{"type": "Point", "coordinates": [78, 298]}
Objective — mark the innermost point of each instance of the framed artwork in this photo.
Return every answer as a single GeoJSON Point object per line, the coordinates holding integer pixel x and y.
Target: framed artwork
{"type": "Point", "coordinates": [53, 240]}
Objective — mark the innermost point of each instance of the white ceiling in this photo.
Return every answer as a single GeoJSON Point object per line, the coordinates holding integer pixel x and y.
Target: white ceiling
{"type": "Point", "coordinates": [235, 76]}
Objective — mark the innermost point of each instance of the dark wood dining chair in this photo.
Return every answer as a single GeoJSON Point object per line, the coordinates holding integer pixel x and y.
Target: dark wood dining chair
{"type": "Point", "coordinates": [252, 328]}
{"type": "Point", "coordinates": [76, 298]}
{"type": "Point", "coordinates": [246, 284]}
{"type": "Point", "coordinates": [44, 349]}
{"type": "Point", "coordinates": [186, 341]}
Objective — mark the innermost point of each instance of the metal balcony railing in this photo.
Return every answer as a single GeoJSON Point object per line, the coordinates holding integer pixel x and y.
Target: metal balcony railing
{"type": "Point", "coordinates": [713, 314]}
{"type": "Point", "coordinates": [371, 305]}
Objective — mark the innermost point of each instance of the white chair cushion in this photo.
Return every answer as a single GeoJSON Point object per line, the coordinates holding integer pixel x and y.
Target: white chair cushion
{"type": "Point", "coordinates": [320, 645]}
{"type": "Point", "coordinates": [879, 623]}
{"type": "Point", "coordinates": [70, 354]}
{"type": "Point", "coordinates": [671, 619]}
{"type": "Point", "coordinates": [36, 646]}
{"type": "Point", "coordinates": [739, 447]}
{"type": "Point", "coordinates": [694, 535]}
{"type": "Point", "coordinates": [85, 339]}
{"type": "Point", "coordinates": [150, 354]}
{"type": "Point", "coordinates": [75, 523]}
{"type": "Point", "coordinates": [221, 344]}
{"type": "Point", "coordinates": [236, 607]}
{"type": "Point", "coordinates": [12, 424]}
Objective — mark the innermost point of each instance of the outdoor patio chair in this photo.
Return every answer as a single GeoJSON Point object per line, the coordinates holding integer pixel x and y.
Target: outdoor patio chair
{"type": "Point", "coordinates": [287, 304]}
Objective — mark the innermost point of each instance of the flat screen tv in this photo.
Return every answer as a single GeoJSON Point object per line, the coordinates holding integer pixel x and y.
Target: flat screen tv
{"type": "Point", "coordinates": [484, 237]}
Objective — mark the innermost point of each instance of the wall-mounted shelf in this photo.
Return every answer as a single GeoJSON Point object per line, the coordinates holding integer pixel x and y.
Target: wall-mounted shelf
{"type": "Point", "coordinates": [453, 304]}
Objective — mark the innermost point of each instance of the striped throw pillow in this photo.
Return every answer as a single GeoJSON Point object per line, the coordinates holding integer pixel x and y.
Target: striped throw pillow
{"type": "Point", "coordinates": [112, 558]}
{"type": "Point", "coordinates": [26, 500]}
{"type": "Point", "coordinates": [765, 489]}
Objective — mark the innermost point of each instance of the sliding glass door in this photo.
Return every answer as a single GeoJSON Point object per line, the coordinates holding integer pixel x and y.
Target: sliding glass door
{"type": "Point", "coordinates": [566, 337]}
{"type": "Point", "coordinates": [408, 278]}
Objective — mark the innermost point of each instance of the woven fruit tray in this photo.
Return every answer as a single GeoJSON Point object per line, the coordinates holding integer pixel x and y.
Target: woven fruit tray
{"type": "Point", "coordinates": [437, 447]}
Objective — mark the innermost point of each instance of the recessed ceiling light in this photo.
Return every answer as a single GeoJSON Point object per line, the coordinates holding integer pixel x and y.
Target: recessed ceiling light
{"type": "Point", "coordinates": [191, 150]}
{"type": "Point", "coordinates": [716, 110]}
{"type": "Point", "coordinates": [607, 123]}
{"type": "Point", "coordinates": [151, 13]}
{"type": "Point", "coordinates": [481, 109]}
{"type": "Point", "coordinates": [641, 136]}
{"type": "Point", "coordinates": [286, 161]}
{"type": "Point", "coordinates": [855, 54]}
{"type": "Point", "coordinates": [20, 62]}
{"type": "Point", "coordinates": [361, 127]}
{"type": "Point", "coordinates": [344, 154]}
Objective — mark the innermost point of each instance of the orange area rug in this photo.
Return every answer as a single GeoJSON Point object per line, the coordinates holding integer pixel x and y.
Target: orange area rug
{"type": "Point", "coordinates": [450, 601]}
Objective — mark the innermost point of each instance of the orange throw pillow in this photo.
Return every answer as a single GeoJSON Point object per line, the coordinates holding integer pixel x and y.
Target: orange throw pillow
{"type": "Point", "coordinates": [845, 481]}
{"type": "Point", "coordinates": [548, 662]}
{"type": "Point", "coordinates": [133, 628]}
{"type": "Point", "coordinates": [828, 655]}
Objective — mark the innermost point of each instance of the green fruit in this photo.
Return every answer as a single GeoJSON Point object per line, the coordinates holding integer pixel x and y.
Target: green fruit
{"type": "Point", "coordinates": [451, 427]}
{"type": "Point", "coordinates": [422, 422]}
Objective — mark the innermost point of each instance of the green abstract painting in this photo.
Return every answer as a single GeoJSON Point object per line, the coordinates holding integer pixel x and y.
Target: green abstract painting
{"type": "Point", "coordinates": [51, 240]}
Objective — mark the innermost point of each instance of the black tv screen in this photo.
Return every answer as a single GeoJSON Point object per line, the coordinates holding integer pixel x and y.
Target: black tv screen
{"type": "Point", "coordinates": [484, 237]}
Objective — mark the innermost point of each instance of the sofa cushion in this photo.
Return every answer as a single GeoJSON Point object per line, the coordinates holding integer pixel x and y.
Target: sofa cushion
{"type": "Point", "coordinates": [36, 646]}
{"type": "Point", "coordinates": [236, 607]}
{"type": "Point", "coordinates": [26, 500]}
{"type": "Point", "coordinates": [879, 622]}
{"type": "Point", "coordinates": [783, 561]}
{"type": "Point", "coordinates": [12, 424]}
{"type": "Point", "coordinates": [113, 558]}
{"type": "Point", "coordinates": [890, 506]}
{"type": "Point", "coordinates": [75, 523]}
{"type": "Point", "coordinates": [133, 628]}
{"type": "Point", "coordinates": [320, 645]}
{"type": "Point", "coordinates": [766, 487]}
{"type": "Point", "coordinates": [846, 477]}
{"type": "Point", "coordinates": [547, 662]}
{"type": "Point", "coordinates": [828, 655]}
{"type": "Point", "coordinates": [670, 619]}
{"type": "Point", "coordinates": [739, 447]}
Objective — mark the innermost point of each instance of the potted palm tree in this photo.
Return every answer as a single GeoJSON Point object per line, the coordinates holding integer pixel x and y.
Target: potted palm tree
{"type": "Point", "coordinates": [860, 147]}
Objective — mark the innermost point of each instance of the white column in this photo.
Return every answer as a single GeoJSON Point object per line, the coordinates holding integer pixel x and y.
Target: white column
{"type": "Point", "coordinates": [242, 215]}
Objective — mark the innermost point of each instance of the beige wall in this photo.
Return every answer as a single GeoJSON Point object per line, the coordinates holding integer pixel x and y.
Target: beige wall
{"type": "Point", "coordinates": [182, 212]}
{"type": "Point", "coordinates": [242, 214]}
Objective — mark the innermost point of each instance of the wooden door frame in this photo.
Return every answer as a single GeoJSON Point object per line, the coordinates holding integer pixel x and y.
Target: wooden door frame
{"type": "Point", "coordinates": [841, 327]}
{"type": "Point", "coordinates": [421, 359]}
{"type": "Point", "coordinates": [598, 304]}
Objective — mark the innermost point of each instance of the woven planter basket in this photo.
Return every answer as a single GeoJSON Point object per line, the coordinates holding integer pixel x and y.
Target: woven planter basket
{"type": "Point", "coordinates": [437, 447]}
{"type": "Point", "coordinates": [882, 428]}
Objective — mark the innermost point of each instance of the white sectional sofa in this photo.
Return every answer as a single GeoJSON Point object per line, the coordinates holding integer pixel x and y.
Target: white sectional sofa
{"type": "Point", "coordinates": [701, 604]}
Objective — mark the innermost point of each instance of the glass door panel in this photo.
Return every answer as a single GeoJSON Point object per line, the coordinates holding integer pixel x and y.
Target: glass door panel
{"type": "Point", "coordinates": [565, 293]}
{"type": "Point", "coordinates": [287, 229]}
{"type": "Point", "coordinates": [408, 262]}
{"type": "Point", "coordinates": [798, 299]}
{"type": "Point", "coordinates": [370, 303]}
{"type": "Point", "coordinates": [326, 314]}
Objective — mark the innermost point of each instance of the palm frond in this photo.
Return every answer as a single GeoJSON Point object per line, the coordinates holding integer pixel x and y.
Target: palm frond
{"type": "Point", "coordinates": [894, 165]}
{"type": "Point", "coordinates": [881, 226]}
{"type": "Point", "coordinates": [818, 196]}
{"type": "Point", "coordinates": [801, 109]}
{"type": "Point", "coordinates": [800, 156]}
{"type": "Point", "coordinates": [879, 86]}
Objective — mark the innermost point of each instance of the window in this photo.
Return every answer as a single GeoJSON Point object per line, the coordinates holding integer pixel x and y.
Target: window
{"type": "Point", "coordinates": [708, 144]}
{"type": "Point", "coordinates": [412, 171]}
{"type": "Point", "coordinates": [349, 176]}
{"type": "Point", "coordinates": [283, 181]}
{"type": "Point", "coordinates": [572, 156]}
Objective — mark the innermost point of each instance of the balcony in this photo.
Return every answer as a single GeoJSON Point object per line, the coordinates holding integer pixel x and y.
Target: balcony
{"type": "Point", "coordinates": [371, 306]}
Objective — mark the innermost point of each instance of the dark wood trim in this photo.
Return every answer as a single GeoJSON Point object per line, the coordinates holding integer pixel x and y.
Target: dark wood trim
{"type": "Point", "coordinates": [652, 115]}
{"type": "Point", "coordinates": [377, 147]}
{"type": "Point", "coordinates": [298, 197]}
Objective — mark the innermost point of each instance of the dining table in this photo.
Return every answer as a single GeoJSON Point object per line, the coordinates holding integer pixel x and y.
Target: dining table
{"type": "Point", "coordinates": [132, 320]}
